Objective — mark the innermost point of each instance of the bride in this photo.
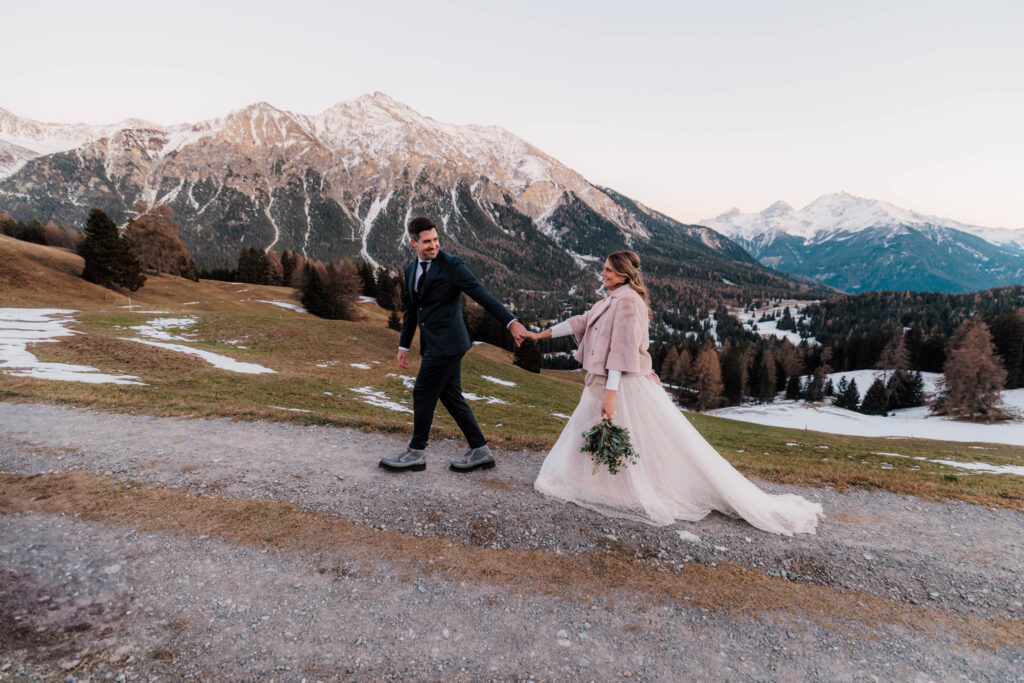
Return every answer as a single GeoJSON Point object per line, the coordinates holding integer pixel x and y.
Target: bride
{"type": "Point", "coordinates": [678, 475]}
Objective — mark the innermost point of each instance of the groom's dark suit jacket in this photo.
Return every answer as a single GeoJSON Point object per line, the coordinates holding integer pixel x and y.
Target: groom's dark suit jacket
{"type": "Point", "coordinates": [437, 308]}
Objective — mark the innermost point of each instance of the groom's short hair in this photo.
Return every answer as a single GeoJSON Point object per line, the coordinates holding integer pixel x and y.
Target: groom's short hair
{"type": "Point", "coordinates": [418, 225]}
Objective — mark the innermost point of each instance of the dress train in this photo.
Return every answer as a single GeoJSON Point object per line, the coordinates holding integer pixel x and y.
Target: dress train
{"type": "Point", "coordinates": [677, 476]}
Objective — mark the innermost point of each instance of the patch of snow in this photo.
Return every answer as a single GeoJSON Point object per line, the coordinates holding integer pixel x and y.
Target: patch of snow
{"type": "Point", "coordinates": [380, 399]}
{"type": "Point", "coordinates": [284, 304]}
{"type": "Point", "coordinates": [20, 327]}
{"type": "Point", "coordinates": [561, 415]}
{"type": "Point", "coordinates": [157, 328]}
{"type": "Point", "coordinates": [294, 410]}
{"type": "Point", "coordinates": [361, 366]}
{"type": "Point", "coordinates": [469, 396]}
{"type": "Point", "coordinates": [214, 359]}
{"type": "Point", "coordinates": [502, 382]}
{"type": "Point", "coordinates": [984, 467]}
{"type": "Point", "coordinates": [865, 378]}
{"type": "Point", "coordinates": [906, 423]}
{"type": "Point", "coordinates": [407, 381]}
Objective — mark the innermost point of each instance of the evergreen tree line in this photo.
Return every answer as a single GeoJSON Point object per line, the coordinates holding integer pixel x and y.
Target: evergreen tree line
{"type": "Point", "coordinates": [114, 257]}
{"type": "Point", "coordinates": [705, 376]}
{"type": "Point", "coordinates": [328, 290]}
{"type": "Point", "coordinates": [49, 234]}
{"type": "Point", "coordinates": [858, 327]}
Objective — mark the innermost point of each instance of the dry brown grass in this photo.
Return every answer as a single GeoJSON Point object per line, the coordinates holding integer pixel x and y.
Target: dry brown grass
{"type": "Point", "coordinates": [313, 359]}
{"type": "Point", "coordinates": [34, 275]}
{"type": "Point", "coordinates": [586, 577]}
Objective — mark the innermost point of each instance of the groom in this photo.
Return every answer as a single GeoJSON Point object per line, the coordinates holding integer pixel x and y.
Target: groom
{"type": "Point", "coordinates": [432, 299]}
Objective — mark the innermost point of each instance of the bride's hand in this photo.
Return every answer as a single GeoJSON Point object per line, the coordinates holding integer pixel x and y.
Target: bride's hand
{"type": "Point", "coordinates": [608, 405]}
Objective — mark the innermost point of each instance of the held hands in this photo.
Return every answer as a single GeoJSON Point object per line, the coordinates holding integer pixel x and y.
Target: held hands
{"type": "Point", "coordinates": [403, 358]}
{"type": "Point", "coordinates": [519, 332]}
{"type": "Point", "coordinates": [608, 405]}
{"type": "Point", "coordinates": [536, 336]}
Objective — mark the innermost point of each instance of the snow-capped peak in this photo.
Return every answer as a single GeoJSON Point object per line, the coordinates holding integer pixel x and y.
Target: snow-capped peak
{"type": "Point", "coordinates": [779, 208]}
{"type": "Point", "coordinates": [47, 138]}
{"type": "Point", "coordinates": [839, 212]}
{"type": "Point", "coordinates": [373, 137]}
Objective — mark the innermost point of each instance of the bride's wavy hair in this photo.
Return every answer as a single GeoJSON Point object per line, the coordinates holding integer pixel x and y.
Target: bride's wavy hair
{"type": "Point", "coordinates": [627, 264]}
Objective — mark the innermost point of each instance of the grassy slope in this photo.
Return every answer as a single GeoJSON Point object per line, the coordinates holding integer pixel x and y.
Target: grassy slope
{"type": "Point", "coordinates": [297, 345]}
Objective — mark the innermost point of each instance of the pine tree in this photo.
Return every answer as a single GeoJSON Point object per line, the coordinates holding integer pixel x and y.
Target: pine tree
{"type": "Point", "coordinates": [108, 258]}
{"type": "Point", "coordinates": [528, 356]}
{"type": "Point", "coordinates": [973, 376]}
{"type": "Point", "coordinates": [876, 402]}
{"type": "Point", "coordinates": [395, 321]}
{"type": "Point", "coordinates": [314, 295]}
{"type": "Point", "coordinates": [764, 387]}
{"type": "Point", "coordinates": [684, 369]}
{"type": "Point", "coordinates": [933, 352]}
{"type": "Point", "coordinates": [275, 269]}
{"type": "Point", "coordinates": [253, 267]}
{"type": "Point", "coordinates": [298, 277]}
{"type": "Point", "coordinates": [1008, 336]}
{"type": "Point", "coordinates": [793, 389]}
{"type": "Point", "coordinates": [670, 366]}
{"type": "Point", "coordinates": [895, 359]}
{"type": "Point", "coordinates": [847, 395]}
{"type": "Point", "coordinates": [342, 290]}
{"type": "Point", "coordinates": [386, 298]}
{"type": "Point", "coordinates": [187, 268]}
{"type": "Point", "coordinates": [788, 361]}
{"type": "Point", "coordinates": [734, 373]}
{"type": "Point", "coordinates": [288, 263]}
{"type": "Point", "coordinates": [787, 322]}
{"type": "Point", "coordinates": [708, 378]}
{"type": "Point", "coordinates": [369, 282]}
{"type": "Point", "coordinates": [815, 389]}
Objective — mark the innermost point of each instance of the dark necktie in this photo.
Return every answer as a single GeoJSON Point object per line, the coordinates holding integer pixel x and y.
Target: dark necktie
{"type": "Point", "coordinates": [423, 274]}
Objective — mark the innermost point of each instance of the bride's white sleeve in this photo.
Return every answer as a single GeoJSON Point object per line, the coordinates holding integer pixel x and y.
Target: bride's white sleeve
{"type": "Point", "coordinates": [562, 329]}
{"type": "Point", "coordinates": [612, 383]}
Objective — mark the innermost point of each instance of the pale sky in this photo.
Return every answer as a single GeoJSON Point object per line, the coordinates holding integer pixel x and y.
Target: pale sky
{"type": "Point", "coordinates": [689, 107]}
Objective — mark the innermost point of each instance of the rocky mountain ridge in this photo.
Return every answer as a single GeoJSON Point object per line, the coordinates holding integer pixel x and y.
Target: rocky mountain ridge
{"type": "Point", "coordinates": [345, 182]}
{"type": "Point", "coordinates": [858, 244]}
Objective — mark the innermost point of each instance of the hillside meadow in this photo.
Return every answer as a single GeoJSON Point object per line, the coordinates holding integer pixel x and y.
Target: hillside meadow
{"type": "Point", "coordinates": [344, 374]}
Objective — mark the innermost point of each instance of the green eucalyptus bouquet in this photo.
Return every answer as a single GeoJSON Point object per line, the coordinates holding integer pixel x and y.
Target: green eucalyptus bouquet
{"type": "Point", "coordinates": [608, 444]}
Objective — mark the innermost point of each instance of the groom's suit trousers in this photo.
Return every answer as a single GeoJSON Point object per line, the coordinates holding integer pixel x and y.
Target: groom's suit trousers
{"type": "Point", "coordinates": [440, 377]}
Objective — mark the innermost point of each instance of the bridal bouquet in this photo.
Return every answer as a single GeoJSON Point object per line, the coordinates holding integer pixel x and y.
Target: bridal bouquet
{"type": "Point", "coordinates": [608, 444]}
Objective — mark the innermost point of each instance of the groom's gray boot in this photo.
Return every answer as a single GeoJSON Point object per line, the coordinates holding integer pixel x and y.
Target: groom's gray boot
{"type": "Point", "coordinates": [475, 458]}
{"type": "Point", "coordinates": [412, 459]}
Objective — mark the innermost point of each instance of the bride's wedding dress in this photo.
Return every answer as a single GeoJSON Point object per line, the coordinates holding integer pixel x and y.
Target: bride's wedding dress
{"type": "Point", "coordinates": [677, 476]}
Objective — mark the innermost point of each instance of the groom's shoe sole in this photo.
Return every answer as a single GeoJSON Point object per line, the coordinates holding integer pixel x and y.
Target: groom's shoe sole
{"type": "Point", "coordinates": [481, 466]}
{"type": "Point", "coordinates": [418, 467]}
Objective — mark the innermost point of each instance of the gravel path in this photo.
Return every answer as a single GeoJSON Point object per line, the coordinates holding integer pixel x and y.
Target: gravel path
{"type": "Point", "coordinates": [87, 599]}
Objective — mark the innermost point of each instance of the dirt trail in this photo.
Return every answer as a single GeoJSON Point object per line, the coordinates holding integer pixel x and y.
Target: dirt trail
{"type": "Point", "coordinates": [218, 549]}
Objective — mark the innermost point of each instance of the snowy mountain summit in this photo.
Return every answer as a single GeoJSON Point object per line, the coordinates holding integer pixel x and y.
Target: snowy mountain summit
{"type": "Point", "coordinates": [827, 215]}
{"type": "Point", "coordinates": [344, 183]}
{"type": "Point", "coordinates": [858, 244]}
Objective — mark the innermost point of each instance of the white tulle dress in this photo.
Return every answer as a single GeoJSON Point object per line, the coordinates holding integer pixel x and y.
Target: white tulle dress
{"type": "Point", "coordinates": [678, 475]}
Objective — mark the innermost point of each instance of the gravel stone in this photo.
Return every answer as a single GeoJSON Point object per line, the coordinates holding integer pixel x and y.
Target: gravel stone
{"type": "Point", "coordinates": [81, 600]}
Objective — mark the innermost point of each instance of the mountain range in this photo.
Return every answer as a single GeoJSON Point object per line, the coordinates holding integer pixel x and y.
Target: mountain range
{"type": "Point", "coordinates": [344, 183]}
{"type": "Point", "coordinates": [857, 245]}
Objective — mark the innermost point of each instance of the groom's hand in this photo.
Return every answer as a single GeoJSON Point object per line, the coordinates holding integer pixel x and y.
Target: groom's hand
{"type": "Point", "coordinates": [518, 331]}
{"type": "Point", "coordinates": [403, 358]}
